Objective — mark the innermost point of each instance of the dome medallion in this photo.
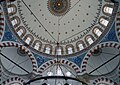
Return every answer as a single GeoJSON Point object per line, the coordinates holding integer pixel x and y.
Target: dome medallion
{"type": "Point", "coordinates": [58, 7]}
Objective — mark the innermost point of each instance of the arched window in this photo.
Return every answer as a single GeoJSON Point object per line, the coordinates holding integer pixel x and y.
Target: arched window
{"type": "Point", "coordinates": [97, 31]}
{"type": "Point", "coordinates": [80, 45]}
{"type": "Point", "coordinates": [70, 49]}
{"type": "Point", "coordinates": [48, 49]}
{"type": "Point", "coordinates": [103, 21]}
{"type": "Point", "coordinates": [68, 73]}
{"type": "Point", "coordinates": [12, 9]}
{"type": "Point", "coordinates": [37, 45]}
{"type": "Point", "coordinates": [28, 39]}
{"type": "Point", "coordinates": [15, 21]}
{"type": "Point", "coordinates": [21, 31]}
{"type": "Point", "coordinates": [49, 73]}
{"type": "Point", "coordinates": [89, 39]}
{"type": "Point", "coordinates": [107, 10]}
{"type": "Point", "coordinates": [58, 50]}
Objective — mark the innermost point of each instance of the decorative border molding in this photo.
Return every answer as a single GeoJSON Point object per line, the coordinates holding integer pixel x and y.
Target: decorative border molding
{"type": "Point", "coordinates": [62, 61]}
{"type": "Point", "coordinates": [12, 80]}
{"type": "Point", "coordinates": [104, 80]}
{"type": "Point", "coordinates": [15, 44]}
{"type": "Point", "coordinates": [102, 45]}
{"type": "Point", "coordinates": [2, 23]}
{"type": "Point", "coordinates": [118, 25]}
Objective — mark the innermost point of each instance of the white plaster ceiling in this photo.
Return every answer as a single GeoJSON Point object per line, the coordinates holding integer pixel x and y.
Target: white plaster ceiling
{"type": "Point", "coordinates": [23, 61]}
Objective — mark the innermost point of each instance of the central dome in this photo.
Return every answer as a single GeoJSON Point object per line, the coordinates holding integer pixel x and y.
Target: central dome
{"type": "Point", "coordinates": [58, 7]}
{"type": "Point", "coordinates": [64, 28]}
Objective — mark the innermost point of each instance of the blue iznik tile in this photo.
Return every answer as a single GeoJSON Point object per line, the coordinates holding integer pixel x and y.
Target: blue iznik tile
{"type": "Point", "coordinates": [8, 36]}
{"type": "Point", "coordinates": [77, 60]}
{"type": "Point", "coordinates": [40, 60]}
{"type": "Point", "coordinates": [111, 36]}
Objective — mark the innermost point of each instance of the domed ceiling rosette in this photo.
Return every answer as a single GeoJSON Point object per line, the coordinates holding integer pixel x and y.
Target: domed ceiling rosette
{"type": "Point", "coordinates": [59, 7]}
